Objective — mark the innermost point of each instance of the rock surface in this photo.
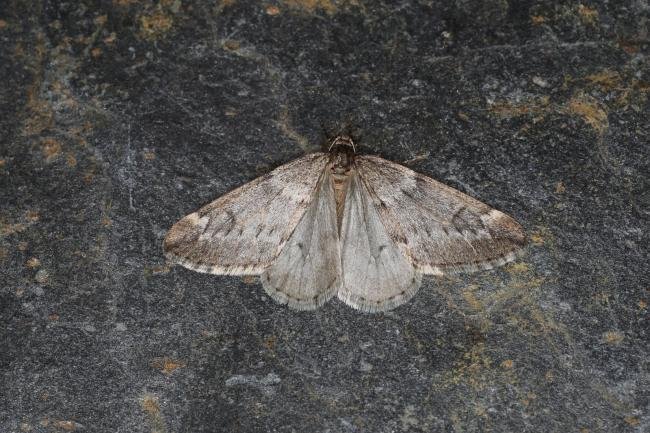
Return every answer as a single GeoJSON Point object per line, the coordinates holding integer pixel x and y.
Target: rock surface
{"type": "Point", "coordinates": [118, 118]}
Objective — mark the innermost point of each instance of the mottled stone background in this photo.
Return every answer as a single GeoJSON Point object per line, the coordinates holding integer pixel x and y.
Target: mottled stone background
{"type": "Point", "coordinates": [119, 117]}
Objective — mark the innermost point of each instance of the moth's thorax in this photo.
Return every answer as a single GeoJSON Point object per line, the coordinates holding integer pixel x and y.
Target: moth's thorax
{"type": "Point", "coordinates": [341, 154]}
{"type": "Point", "coordinates": [341, 162]}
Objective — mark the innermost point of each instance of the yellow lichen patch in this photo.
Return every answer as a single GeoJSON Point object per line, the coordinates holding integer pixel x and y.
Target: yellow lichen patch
{"type": "Point", "coordinates": [101, 20]}
{"type": "Point", "coordinates": [231, 45]}
{"type": "Point", "coordinates": [606, 79]}
{"type": "Point", "coordinates": [590, 111]}
{"type": "Point", "coordinates": [538, 20]}
{"type": "Point", "coordinates": [124, 3]}
{"type": "Point", "coordinates": [53, 317]}
{"type": "Point", "coordinates": [42, 116]}
{"type": "Point", "coordinates": [602, 298]}
{"type": "Point", "coordinates": [311, 6]}
{"type": "Point", "coordinates": [634, 92]}
{"type": "Point", "coordinates": [534, 106]}
{"type": "Point", "coordinates": [269, 342]}
{"type": "Point", "coordinates": [632, 421]}
{"type": "Point", "coordinates": [507, 364]}
{"type": "Point", "coordinates": [272, 10]}
{"type": "Point", "coordinates": [613, 337]}
{"type": "Point", "coordinates": [65, 425]}
{"type": "Point", "coordinates": [10, 229]}
{"type": "Point", "coordinates": [544, 322]}
{"type": "Point", "coordinates": [587, 15]}
{"type": "Point", "coordinates": [472, 367]}
{"type": "Point", "coordinates": [96, 52]}
{"type": "Point", "coordinates": [249, 279]}
{"type": "Point", "coordinates": [166, 365]}
{"type": "Point", "coordinates": [150, 406]}
{"type": "Point", "coordinates": [520, 295]}
{"type": "Point", "coordinates": [540, 236]}
{"type": "Point", "coordinates": [560, 188]}
{"type": "Point", "coordinates": [3, 162]}
{"type": "Point", "coordinates": [155, 25]}
{"type": "Point", "coordinates": [3, 24]}
{"type": "Point", "coordinates": [51, 148]}
{"type": "Point", "coordinates": [526, 282]}
{"type": "Point", "coordinates": [629, 46]}
{"type": "Point", "coordinates": [471, 299]}
{"type": "Point", "coordinates": [642, 304]}
{"type": "Point", "coordinates": [160, 269]}
{"type": "Point", "coordinates": [480, 410]}
{"type": "Point", "coordinates": [88, 177]}
{"type": "Point", "coordinates": [32, 216]}
{"type": "Point", "coordinates": [528, 399]}
{"type": "Point", "coordinates": [148, 155]}
{"type": "Point", "coordinates": [110, 39]}
{"type": "Point", "coordinates": [642, 86]}
{"type": "Point", "coordinates": [33, 263]}
{"type": "Point", "coordinates": [518, 268]}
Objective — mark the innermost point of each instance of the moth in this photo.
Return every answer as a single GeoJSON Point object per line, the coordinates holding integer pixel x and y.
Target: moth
{"type": "Point", "coordinates": [337, 223]}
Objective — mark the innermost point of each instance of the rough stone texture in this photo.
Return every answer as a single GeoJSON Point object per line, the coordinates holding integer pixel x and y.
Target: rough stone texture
{"type": "Point", "coordinates": [119, 117]}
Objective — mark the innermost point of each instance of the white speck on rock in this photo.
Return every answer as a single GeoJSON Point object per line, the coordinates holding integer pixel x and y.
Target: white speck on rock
{"type": "Point", "coordinates": [249, 379]}
{"type": "Point", "coordinates": [42, 276]}
{"type": "Point", "coordinates": [265, 383]}
{"type": "Point", "coordinates": [365, 366]}
{"type": "Point", "coordinates": [539, 81]}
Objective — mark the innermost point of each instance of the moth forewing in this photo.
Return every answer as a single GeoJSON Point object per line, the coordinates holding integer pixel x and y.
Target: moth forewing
{"type": "Point", "coordinates": [243, 231]}
{"type": "Point", "coordinates": [439, 228]}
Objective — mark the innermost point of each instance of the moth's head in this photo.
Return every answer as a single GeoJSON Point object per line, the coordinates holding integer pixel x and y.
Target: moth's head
{"type": "Point", "coordinates": [342, 143]}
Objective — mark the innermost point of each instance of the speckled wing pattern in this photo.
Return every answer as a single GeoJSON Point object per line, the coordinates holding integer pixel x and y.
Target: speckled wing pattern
{"type": "Point", "coordinates": [439, 229]}
{"type": "Point", "coordinates": [243, 231]}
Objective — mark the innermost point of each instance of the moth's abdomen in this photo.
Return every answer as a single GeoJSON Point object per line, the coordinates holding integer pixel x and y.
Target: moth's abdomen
{"type": "Point", "coordinates": [340, 183]}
